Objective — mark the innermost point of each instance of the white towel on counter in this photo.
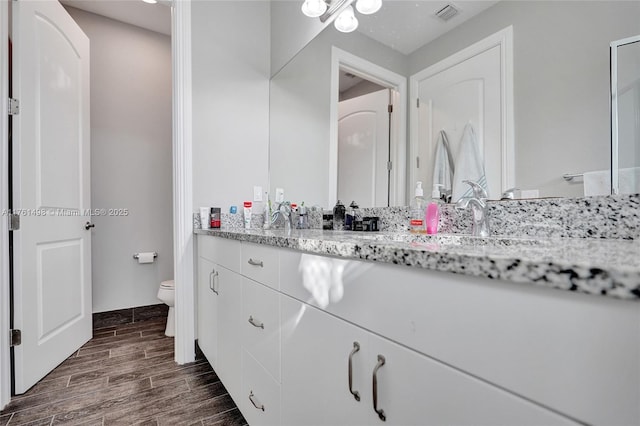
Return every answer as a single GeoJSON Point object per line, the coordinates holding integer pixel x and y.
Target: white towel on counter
{"type": "Point", "coordinates": [443, 167]}
{"type": "Point", "coordinates": [469, 165]}
{"type": "Point", "coordinates": [629, 181]}
{"type": "Point", "coordinates": [599, 182]}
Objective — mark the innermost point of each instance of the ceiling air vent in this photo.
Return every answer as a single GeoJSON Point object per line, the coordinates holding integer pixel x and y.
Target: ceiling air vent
{"type": "Point", "coordinates": [447, 12]}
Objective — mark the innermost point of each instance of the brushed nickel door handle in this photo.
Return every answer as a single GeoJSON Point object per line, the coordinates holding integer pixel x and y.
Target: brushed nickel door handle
{"type": "Point", "coordinates": [253, 400]}
{"type": "Point", "coordinates": [212, 281]}
{"type": "Point", "coordinates": [255, 262]}
{"type": "Point", "coordinates": [380, 411]}
{"type": "Point", "coordinates": [356, 348]}
{"type": "Point", "coordinates": [255, 323]}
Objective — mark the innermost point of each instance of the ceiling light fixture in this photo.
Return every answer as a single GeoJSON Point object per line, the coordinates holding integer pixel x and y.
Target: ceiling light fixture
{"type": "Point", "coordinates": [150, 1]}
{"type": "Point", "coordinates": [314, 8]}
{"type": "Point", "coordinates": [368, 7]}
{"type": "Point", "coordinates": [346, 20]}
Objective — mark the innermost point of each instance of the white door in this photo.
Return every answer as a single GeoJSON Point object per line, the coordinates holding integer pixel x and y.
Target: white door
{"type": "Point", "coordinates": [468, 92]}
{"type": "Point", "coordinates": [51, 188]}
{"type": "Point", "coordinates": [363, 149]}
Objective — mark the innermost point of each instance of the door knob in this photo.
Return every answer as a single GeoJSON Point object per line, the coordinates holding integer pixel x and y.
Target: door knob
{"type": "Point", "coordinates": [89, 225]}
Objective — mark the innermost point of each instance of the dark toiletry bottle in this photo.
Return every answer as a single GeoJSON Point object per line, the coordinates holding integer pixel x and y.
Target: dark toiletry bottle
{"type": "Point", "coordinates": [338, 216]}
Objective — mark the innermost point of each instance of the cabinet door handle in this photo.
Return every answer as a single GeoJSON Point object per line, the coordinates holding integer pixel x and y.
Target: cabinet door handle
{"type": "Point", "coordinates": [212, 278]}
{"type": "Point", "coordinates": [255, 323]}
{"type": "Point", "coordinates": [380, 411]}
{"type": "Point", "coordinates": [255, 262]}
{"type": "Point", "coordinates": [252, 398]}
{"type": "Point", "coordinates": [356, 348]}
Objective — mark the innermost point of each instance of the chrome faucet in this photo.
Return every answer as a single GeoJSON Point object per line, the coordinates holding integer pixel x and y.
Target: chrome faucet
{"type": "Point", "coordinates": [283, 210]}
{"type": "Point", "coordinates": [478, 207]}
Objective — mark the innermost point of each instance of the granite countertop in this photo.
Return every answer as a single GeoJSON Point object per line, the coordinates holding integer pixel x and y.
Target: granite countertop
{"type": "Point", "coordinates": [605, 267]}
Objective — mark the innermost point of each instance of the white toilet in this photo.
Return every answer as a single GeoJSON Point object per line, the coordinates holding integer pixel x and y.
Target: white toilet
{"type": "Point", "coordinates": [167, 295]}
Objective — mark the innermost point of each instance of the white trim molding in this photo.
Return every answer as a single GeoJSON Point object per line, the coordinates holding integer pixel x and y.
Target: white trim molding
{"type": "Point", "coordinates": [5, 358]}
{"type": "Point", "coordinates": [385, 78]}
{"type": "Point", "coordinates": [503, 39]}
{"type": "Point", "coordinates": [183, 243]}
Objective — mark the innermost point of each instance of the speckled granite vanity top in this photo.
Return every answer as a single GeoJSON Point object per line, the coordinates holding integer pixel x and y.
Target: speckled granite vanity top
{"type": "Point", "coordinates": [595, 266]}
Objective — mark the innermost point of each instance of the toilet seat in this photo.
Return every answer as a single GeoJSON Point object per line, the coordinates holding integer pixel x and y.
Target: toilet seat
{"type": "Point", "coordinates": [169, 284]}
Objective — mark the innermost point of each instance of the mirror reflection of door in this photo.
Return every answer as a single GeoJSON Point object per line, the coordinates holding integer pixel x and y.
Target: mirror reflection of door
{"type": "Point", "coordinates": [628, 117]}
{"type": "Point", "coordinates": [363, 141]}
{"type": "Point", "coordinates": [467, 93]}
{"type": "Point", "coordinates": [362, 151]}
{"type": "Point", "coordinates": [471, 89]}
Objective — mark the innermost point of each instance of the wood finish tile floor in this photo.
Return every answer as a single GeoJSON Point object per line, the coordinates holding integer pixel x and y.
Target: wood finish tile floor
{"type": "Point", "coordinates": [125, 375]}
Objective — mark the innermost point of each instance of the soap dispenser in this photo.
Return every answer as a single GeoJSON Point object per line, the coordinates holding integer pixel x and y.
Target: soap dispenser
{"type": "Point", "coordinates": [417, 213]}
{"type": "Point", "coordinates": [432, 215]}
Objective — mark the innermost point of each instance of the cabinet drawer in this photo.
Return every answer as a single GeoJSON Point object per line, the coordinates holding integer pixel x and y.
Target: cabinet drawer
{"type": "Point", "coordinates": [222, 251]}
{"type": "Point", "coordinates": [562, 349]}
{"type": "Point", "coordinates": [260, 403]}
{"type": "Point", "coordinates": [261, 325]}
{"type": "Point", "coordinates": [260, 263]}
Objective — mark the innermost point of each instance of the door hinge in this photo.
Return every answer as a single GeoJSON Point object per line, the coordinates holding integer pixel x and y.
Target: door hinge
{"type": "Point", "coordinates": [417, 102]}
{"type": "Point", "coordinates": [16, 337]}
{"type": "Point", "coordinates": [389, 165]}
{"type": "Point", "coordinates": [14, 106]}
{"type": "Point", "coordinates": [390, 109]}
{"type": "Point", "coordinates": [14, 222]}
{"type": "Point", "coordinates": [417, 162]}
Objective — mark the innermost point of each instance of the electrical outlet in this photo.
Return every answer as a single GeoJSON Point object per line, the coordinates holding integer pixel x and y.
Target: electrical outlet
{"type": "Point", "coordinates": [257, 193]}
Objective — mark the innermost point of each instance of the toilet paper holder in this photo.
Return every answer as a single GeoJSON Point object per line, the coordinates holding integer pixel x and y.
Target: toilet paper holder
{"type": "Point", "coordinates": [137, 255]}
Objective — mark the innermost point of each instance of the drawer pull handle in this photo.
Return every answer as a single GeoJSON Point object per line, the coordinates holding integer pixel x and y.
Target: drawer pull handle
{"type": "Point", "coordinates": [212, 281]}
{"type": "Point", "coordinates": [380, 411]}
{"type": "Point", "coordinates": [256, 262]}
{"type": "Point", "coordinates": [253, 401]}
{"type": "Point", "coordinates": [356, 348]}
{"type": "Point", "coordinates": [255, 323]}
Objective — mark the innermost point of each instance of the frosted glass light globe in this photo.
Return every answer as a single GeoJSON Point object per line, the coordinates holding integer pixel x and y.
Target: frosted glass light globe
{"type": "Point", "coordinates": [346, 21]}
{"type": "Point", "coordinates": [314, 8]}
{"type": "Point", "coordinates": [367, 7]}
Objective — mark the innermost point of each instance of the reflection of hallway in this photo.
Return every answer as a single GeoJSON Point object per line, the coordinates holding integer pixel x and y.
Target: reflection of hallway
{"type": "Point", "coordinates": [126, 375]}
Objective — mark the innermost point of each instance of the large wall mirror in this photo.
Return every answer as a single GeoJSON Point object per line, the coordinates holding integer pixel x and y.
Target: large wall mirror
{"type": "Point", "coordinates": [625, 115]}
{"type": "Point", "coordinates": [561, 90]}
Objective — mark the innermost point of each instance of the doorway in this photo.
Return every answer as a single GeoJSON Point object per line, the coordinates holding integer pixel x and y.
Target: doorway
{"type": "Point", "coordinates": [110, 213]}
{"type": "Point", "coordinates": [385, 184]}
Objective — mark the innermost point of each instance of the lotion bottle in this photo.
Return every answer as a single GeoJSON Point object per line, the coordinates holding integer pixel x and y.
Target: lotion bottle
{"type": "Point", "coordinates": [416, 219]}
{"type": "Point", "coordinates": [432, 215]}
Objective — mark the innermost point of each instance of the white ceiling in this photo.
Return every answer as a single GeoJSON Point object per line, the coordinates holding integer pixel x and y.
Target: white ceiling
{"type": "Point", "coordinates": [402, 25]}
{"type": "Point", "coordinates": [407, 25]}
{"type": "Point", "coordinates": [154, 17]}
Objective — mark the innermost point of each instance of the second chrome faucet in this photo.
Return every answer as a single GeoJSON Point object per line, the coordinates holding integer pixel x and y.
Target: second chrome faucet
{"type": "Point", "coordinates": [480, 213]}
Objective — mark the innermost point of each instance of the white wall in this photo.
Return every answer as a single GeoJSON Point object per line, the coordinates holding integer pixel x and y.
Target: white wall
{"type": "Point", "coordinates": [130, 160]}
{"type": "Point", "coordinates": [561, 116]}
{"type": "Point", "coordinates": [291, 30]}
{"type": "Point", "coordinates": [231, 48]}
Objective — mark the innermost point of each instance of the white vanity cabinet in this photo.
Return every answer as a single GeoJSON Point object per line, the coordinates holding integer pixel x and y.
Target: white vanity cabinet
{"type": "Point", "coordinates": [325, 359]}
{"type": "Point", "coordinates": [319, 353]}
{"type": "Point", "coordinates": [219, 309]}
{"type": "Point", "coordinates": [457, 349]}
{"type": "Point", "coordinates": [207, 310]}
